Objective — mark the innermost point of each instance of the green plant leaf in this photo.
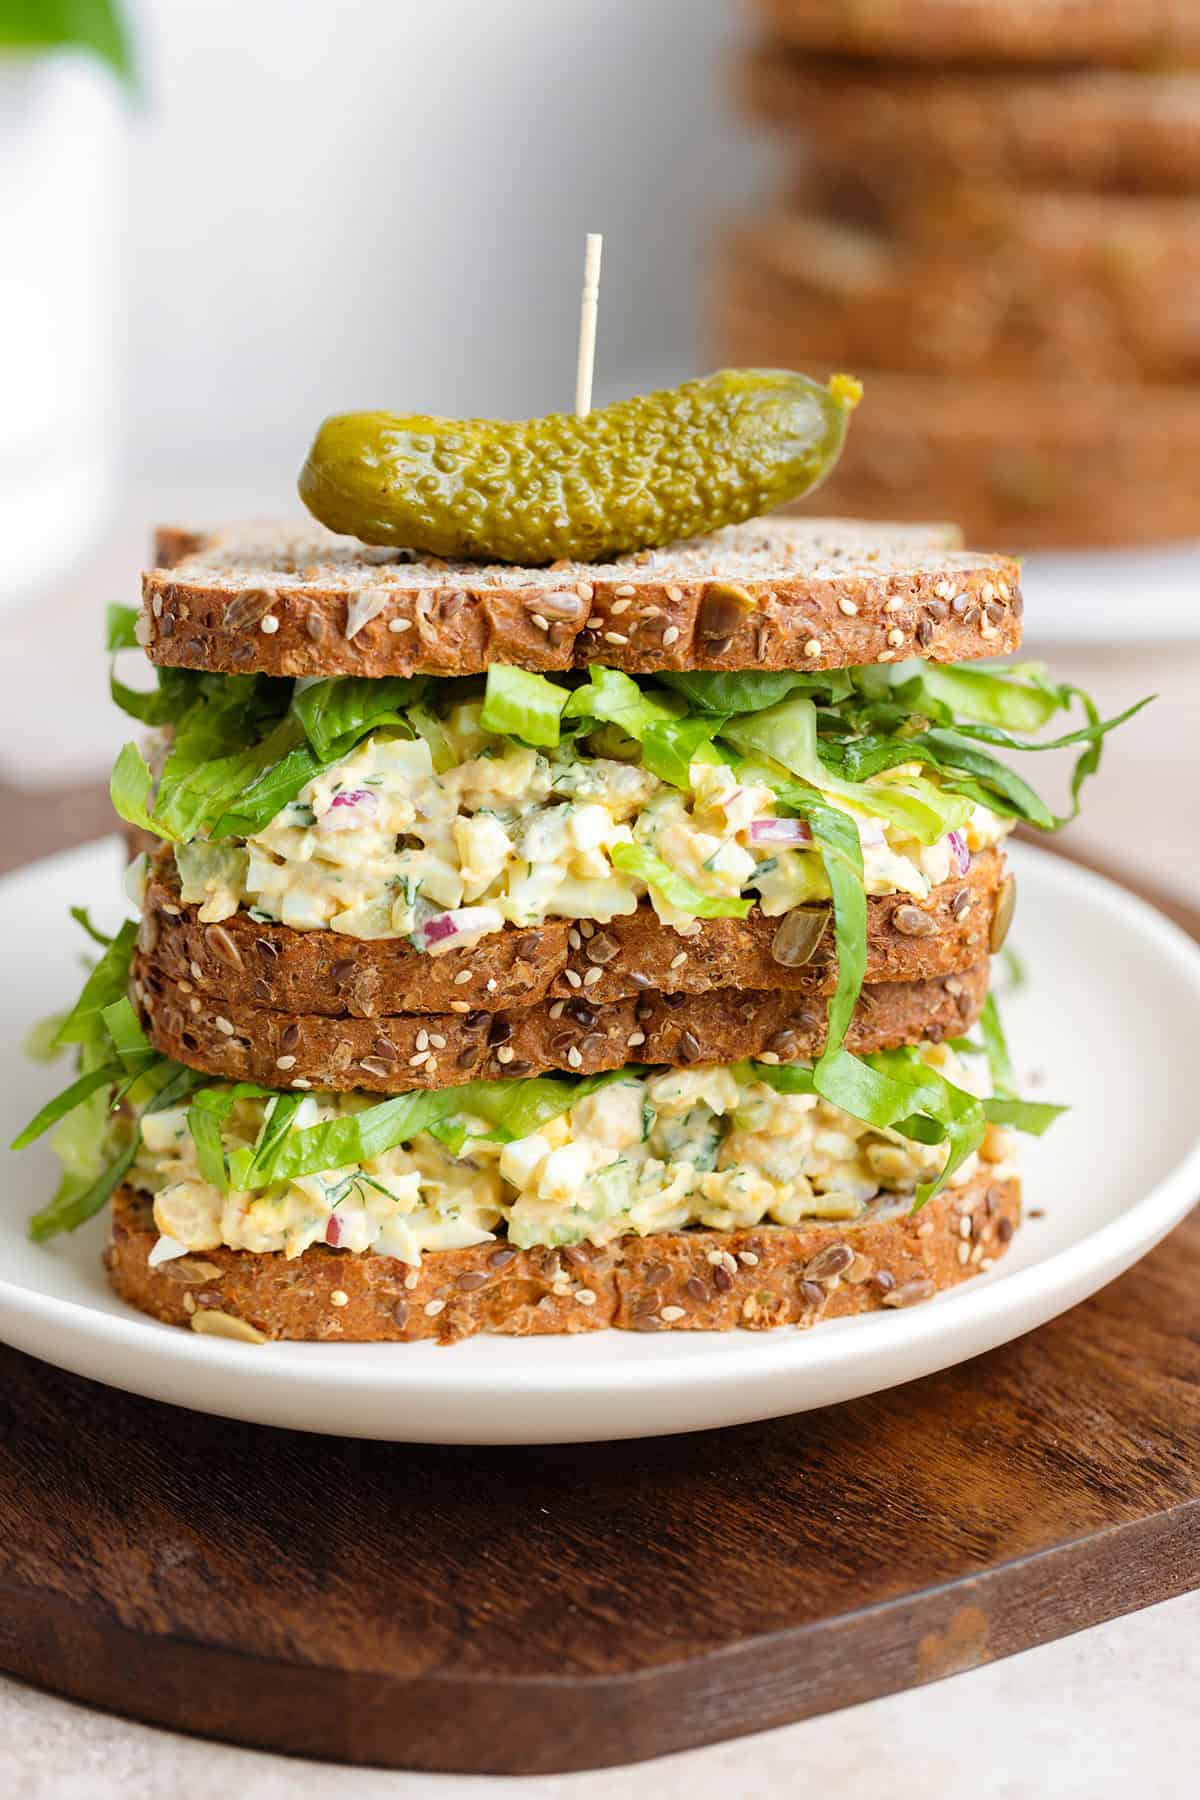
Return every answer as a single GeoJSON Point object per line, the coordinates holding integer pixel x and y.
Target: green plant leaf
{"type": "Point", "coordinates": [98, 26]}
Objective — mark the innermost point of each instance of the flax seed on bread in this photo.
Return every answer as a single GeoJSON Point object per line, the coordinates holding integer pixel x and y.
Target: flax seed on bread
{"type": "Point", "coordinates": [693, 1280]}
{"type": "Point", "coordinates": [237, 1040]}
{"type": "Point", "coordinates": [776, 593]}
{"type": "Point", "coordinates": [326, 973]}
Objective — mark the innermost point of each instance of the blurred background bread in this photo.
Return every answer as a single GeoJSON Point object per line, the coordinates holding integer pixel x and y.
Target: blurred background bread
{"type": "Point", "coordinates": [981, 212]}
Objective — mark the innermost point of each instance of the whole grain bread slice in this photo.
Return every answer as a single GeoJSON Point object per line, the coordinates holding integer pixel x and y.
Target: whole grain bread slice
{"type": "Point", "coordinates": [776, 593]}
{"type": "Point", "coordinates": [694, 1280]}
{"type": "Point", "coordinates": [907, 128]}
{"type": "Point", "coordinates": [1007, 31]}
{"type": "Point", "coordinates": [325, 973]}
{"type": "Point", "coordinates": [391, 1054]}
{"type": "Point", "coordinates": [985, 283]}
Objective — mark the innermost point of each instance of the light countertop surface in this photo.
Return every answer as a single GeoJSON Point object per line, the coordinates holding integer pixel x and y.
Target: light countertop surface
{"type": "Point", "coordinates": [1098, 1714]}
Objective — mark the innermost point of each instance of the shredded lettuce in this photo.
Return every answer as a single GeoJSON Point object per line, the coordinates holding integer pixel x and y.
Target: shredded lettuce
{"type": "Point", "coordinates": [512, 1108]}
{"type": "Point", "coordinates": [787, 735]}
{"type": "Point", "coordinates": [616, 699]}
{"type": "Point", "coordinates": [836, 838]}
{"type": "Point", "coordinates": [674, 888]}
{"type": "Point", "coordinates": [120, 628]}
{"type": "Point", "coordinates": [107, 983]}
{"type": "Point", "coordinates": [338, 713]}
{"type": "Point", "coordinates": [751, 691]}
{"type": "Point", "coordinates": [209, 1113]}
{"type": "Point", "coordinates": [523, 705]}
{"type": "Point", "coordinates": [243, 746]}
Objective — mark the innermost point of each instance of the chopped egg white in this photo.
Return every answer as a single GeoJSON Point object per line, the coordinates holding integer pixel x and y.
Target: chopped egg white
{"type": "Point", "coordinates": [643, 1153]}
{"type": "Point", "coordinates": [383, 842]}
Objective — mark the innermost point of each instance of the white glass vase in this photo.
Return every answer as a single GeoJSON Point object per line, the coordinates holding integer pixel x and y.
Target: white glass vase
{"type": "Point", "coordinates": [61, 212]}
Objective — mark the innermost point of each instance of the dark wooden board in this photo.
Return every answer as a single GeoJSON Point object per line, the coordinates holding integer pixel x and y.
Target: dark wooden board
{"type": "Point", "coordinates": [530, 1610]}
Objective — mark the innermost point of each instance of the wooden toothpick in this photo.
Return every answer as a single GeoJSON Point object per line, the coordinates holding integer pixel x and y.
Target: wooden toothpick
{"type": "Point", "coordinates": [587, 324]}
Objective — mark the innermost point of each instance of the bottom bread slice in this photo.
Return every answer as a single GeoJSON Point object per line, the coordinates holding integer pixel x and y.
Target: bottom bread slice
{"type": "Point", "coordinates": [692, 1280]}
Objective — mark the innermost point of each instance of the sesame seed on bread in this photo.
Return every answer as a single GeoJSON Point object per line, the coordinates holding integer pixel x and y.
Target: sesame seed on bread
{"type": "Point", "coordinates": [235, 1039]}
{"type": "Point", "coordinates": [776, 593]}
{"type": "Point", "coordinates": [693, 1280]}
{"type": "Point", "coordinates": [329, 974]}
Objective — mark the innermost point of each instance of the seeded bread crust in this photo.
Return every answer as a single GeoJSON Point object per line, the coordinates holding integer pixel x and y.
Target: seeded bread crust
{"type": "Point", "coordinates": [1099, 285]}
{"type": "Point", "coordinates": [392, 1054]}
{"type": "Point", "coordinates": [1128, 130]}
{"type": "Point", "coordinates": [694, 1280]}
{"type": "Point", "coordinates": [1016, 31]}
{"type": "Point", "coordinates": [322, 972]}
{"type": "Point", "coordinates": [773, 594]}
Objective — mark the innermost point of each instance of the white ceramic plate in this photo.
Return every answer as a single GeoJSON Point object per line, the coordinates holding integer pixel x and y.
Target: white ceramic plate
{"type": "Point", "coordinates": [1143, 595]}
{"type": "Point", "coordinates": [1106, 1022]}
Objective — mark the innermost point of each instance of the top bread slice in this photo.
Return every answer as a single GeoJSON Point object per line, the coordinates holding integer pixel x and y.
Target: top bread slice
{"type": "Point", "coordinates": [776, 593]}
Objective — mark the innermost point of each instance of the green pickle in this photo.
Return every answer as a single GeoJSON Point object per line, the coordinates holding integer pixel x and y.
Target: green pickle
{"type": "Point", "coordinates": [626, 477]}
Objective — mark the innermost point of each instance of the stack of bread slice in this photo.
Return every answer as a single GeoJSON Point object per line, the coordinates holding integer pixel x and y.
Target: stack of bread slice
{"type": "Point", "coordinates": [513, 954]}
{"type": "Point", "coordinates": [997, 210]}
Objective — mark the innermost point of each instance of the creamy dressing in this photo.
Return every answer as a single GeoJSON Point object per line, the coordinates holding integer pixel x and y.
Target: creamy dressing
{"type": "Point", "coordinates": [710, 1146]}
{"type": "Point", "coordinates": [385, 841]}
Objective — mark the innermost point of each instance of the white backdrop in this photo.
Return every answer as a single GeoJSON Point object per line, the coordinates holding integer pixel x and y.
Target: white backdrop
{"type": "Point", "coordinates": [383, 203]}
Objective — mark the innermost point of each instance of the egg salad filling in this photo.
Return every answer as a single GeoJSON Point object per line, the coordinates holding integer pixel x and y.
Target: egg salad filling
{"type": "Point", "coordinates": [447, 841]}
{"type": "Point", "coordinates": [646, 1152]}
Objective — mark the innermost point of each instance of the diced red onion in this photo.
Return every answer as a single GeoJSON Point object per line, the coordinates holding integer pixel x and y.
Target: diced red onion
{"type": "Point", "coordinates": [434, 930]}
{"type": "Point", "coordinates": [779, 831]}
{"type": "Point", "coordinates": [958, 849]}
{"type": "Point", "coordinates": [465, 921]}
{"type": "Point", "coordinates": [355, 797]}
{"type": "Point", "coordinates": [333, 1231]}
{"type": "Point", "coordinates": [349, 809]}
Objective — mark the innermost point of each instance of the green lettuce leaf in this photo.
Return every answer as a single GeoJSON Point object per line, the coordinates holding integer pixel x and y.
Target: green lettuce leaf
{"type": "Point", "coordinates": [207, 1115]}
{"type": "Point", "coordinates": [83, 919]}
{"type": "Point", "coordinates": [129, 790]}
{"type": "Point", "coordinates": [107, 983]}
{"type": "Point", "coordinates": [787, 735]}
{"type": "Point", "coordinates": [126, 1034]}
{"type": "Point", "coordinates": [752, 691]}
{"type": "Point", "coordinates": [836, 838]}
{"type": "Point", "coordinates": [120, 628]}
{"type": "Point", "coordinates": [671, 746]}
{"type": "Point", "coordinates": [616, 699]}
{"type": "Point", "coordinates": [105, 1076]}
{"type": "Point", "coordinates": [89, 1185]}
{"type": "Point", "coordinates": [523, 705]}
{"type": "Point", "coordinates": [675, 889]}
{"type": "Point", "coordinates": [336, 714]}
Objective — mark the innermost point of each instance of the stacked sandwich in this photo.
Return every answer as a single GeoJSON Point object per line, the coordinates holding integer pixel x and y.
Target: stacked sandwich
{"type": "Point", "coordinates": [543, 949]}
{"type": "Point", "coordinates": [995, 206]}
